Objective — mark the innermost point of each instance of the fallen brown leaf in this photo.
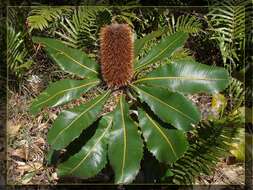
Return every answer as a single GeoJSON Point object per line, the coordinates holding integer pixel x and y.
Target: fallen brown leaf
{"type": "Point", "coordinates": [19, 163]}
{"type": "Point", "coordinates": [12, 129]}
{"type": "Point", "coordinates": [37, 165]}
{"type": "Point", "coordinates": [39, 141]}
{"type": "Point", "coordinates": [39, 119]}
{"type": "Point", "coordinates": [42, 126]}
{"type": "Point", "coordinates": [54, 176]}
{"type": "Point", "coordinates": [52, 115]}
{"type": "Point", "coordinates": [30, 167]}
{"type": "Point", "coordinates": [24, 168]}
{"type": "Point", "coordinates": [20, 152]}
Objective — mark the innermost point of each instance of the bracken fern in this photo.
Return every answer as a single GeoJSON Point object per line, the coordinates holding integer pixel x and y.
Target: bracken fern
{"type": "Point", "coordinates": [184, 23]}
{"type": "Point", "coordinates": [17, 59]}
{"type": "Point", "coordinates": [227, 21]}
{"type": "Point", "coordinates": [210, 142]}
{"type": "Point", "coordinates": [82, 29]}
{"type": "Point", "coordinates": [41, 17]}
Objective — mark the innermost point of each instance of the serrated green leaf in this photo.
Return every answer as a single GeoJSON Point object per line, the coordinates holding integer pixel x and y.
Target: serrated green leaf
{"type": "Point", "coordinates": [167, 145]}
{"type": "Point", "coordinates": [162, 50]}
{"type": "Point", "coordinates": [171, 107]}
{"type": "Point", "coordinates": [71, 60]}
{"type": "Point", "coordinates": [91, 159]}
{"type": "Point", "coordinates": [125, 146]}
{"type": "Point", "coordinates": [70, 123]}
{"type": "Point", "coordinates": [188, 77]}
{"type": "Point", "coordinates": [61, 92]}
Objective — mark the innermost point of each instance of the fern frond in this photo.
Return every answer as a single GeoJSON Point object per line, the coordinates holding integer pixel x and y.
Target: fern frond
{"type": "Point", "coordinates": [126, 16]}
{"type": "Point", "coordinates": [236, 94]}
{"type": "Point", "coordinates": [184, 23]}
{"type": "Point", "coordinates": [40, 17]}
{"type": "Point", "coordinates": [17, 60]}
{"type": "Point", "coordinates": [227, 21]}
{"type": "Point", "coordinates": [12, 16]}
{"type": "Point", "coordinates": [228, 18]}
{"type": "Point", "coordinates": [14, 49]}
{"type": "Point", "coordinates": [82, 29]}
{"type": "Point", "coordinates": [249, 96]}
{"type": "Point", "coordinates": [210, 142]}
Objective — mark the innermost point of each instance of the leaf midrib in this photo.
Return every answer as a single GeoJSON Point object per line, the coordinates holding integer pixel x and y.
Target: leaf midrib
{"type": "Point", "coordinates": [89, 152]}
{"type": "Point", "coordinates": [80, 115]}
{"type": "Point", "coordinates": [62, 91]}
{"type": "Point", "coordinates": [124, 129]}
{"type": "Point", "coordinates": [71, 58]}
{"type": "Point", "coordinates": [178, 78]}
{"type": "Point", "coordinates": [163, 135]}
{"type": "Point", "coordinates": [166, 104]}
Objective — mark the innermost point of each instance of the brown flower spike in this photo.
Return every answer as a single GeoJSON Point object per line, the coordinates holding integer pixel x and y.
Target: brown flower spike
{"type": "Point", "coordinates": [116, 49]}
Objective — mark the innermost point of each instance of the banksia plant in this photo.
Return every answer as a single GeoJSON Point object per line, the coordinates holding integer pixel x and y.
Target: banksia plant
{"type": "Point", "coordinates": [152, 106]}
{"type": "Point", "coordinates": [116, 45]}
